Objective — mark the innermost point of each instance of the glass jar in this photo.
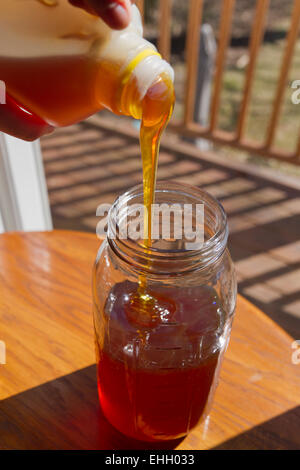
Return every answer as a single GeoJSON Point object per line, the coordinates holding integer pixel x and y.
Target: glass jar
{"type": "Point", "coordinates": [162, 316]}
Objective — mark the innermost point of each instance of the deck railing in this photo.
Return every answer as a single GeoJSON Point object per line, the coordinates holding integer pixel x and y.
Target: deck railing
{"type": "Point", "coordinates": [212, 132]}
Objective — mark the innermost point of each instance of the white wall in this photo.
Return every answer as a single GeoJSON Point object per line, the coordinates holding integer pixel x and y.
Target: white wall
{"type": "Point", "coordinates": [24, 203]}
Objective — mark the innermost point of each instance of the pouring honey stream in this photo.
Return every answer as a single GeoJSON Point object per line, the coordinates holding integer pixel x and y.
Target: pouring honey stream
{"type": "Point", "coordinates": [157, 108]}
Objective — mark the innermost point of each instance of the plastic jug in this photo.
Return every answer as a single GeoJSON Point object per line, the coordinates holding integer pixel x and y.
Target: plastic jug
{"type": "Point", "coordinates": [63, 64]}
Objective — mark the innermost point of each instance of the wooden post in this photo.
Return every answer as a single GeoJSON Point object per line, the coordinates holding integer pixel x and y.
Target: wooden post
{"type": "Point", "coordinates": [141, 6]}
{"type": "Point", "coordinates": [298, 150]}
{"type": "Point", "coordinates": [165, 14]}
{"type": "Point", "coordinates": [285, 68]}
{"type": "Point", "coordinates": [226, 19]}
{"type": "Point", "coordinates": [192, 52]}
{"type": "Point", "coordinates": [256, 39]}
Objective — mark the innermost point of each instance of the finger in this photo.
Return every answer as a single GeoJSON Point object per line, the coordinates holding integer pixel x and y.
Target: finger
{"type": "Point", "coordinates": [116, 13]}
{"type": "Point", "coordinates": [18, 122]}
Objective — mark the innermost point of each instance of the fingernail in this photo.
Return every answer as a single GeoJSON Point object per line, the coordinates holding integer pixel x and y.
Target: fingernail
{"type": "Point", "coordinates": [120, 14]}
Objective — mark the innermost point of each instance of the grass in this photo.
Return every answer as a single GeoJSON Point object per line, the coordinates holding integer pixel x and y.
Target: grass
{"type": "Point", "coordinates": [264, 89]}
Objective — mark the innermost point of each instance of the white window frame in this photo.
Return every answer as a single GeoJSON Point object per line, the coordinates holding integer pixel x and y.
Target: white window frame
{"type": "Point", "coordinates": [24, 202]}
{"type": "Point", "coordinates": [1, 224]}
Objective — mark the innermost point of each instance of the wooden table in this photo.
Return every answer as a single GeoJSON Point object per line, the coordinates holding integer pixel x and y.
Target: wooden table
{"type": "Point", "coordinates": [48, 385]}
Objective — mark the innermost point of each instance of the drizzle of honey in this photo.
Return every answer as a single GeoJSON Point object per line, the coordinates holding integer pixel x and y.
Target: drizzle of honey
{"type": "Point", "coordinates": [157, 110]}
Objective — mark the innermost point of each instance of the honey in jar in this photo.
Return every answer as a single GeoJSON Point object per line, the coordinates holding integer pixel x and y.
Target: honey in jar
{"type": "Point", "coordinates": [162, 316]}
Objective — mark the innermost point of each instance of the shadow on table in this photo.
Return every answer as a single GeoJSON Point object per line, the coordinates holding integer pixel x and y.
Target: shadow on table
{"type": "Point", "coordinates": [280, 433]}
{"type": "Point", "coordinates": [63, 414]}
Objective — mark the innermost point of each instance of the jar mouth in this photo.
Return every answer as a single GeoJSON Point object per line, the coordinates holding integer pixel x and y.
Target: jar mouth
{"type": "Point", "coordinates": [159, 254]}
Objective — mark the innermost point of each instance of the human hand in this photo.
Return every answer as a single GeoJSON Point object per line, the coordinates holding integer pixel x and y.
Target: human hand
{"type": "Point", "coordinates": [116, 13]}
{"type": "Point", "coordinates": [16, 121]}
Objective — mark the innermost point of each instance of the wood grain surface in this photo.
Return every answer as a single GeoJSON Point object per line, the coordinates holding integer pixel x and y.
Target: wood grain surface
{"type": "Point", "coordinates": [48, 385]}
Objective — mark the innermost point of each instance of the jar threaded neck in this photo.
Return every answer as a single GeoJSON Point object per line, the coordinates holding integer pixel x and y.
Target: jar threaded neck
{"type": "Point", "coordinates": [172, 256]}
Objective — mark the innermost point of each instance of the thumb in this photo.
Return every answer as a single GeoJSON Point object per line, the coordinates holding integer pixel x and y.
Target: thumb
{"type": "Point", "coordinates": [116, 13]}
